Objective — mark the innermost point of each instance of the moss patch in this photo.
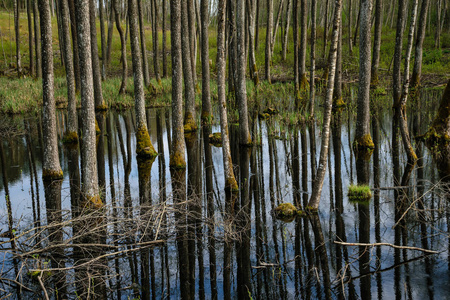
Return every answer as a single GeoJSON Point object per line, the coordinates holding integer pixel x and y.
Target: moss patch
{"type": "Point", "coordinates": [216, 139]}
{"type": "Point", "coordinates": [285, 212]}
{"type": "Point", "coordinates": [50, 175]}
{"type": "Point", "coordinates": [189, 123]}
{"type": "Point", "coordinates": [364, 144]}
{"type": "Point", "coordinates": [359, 193]}
{"type": "Point", "coordinates": [231, 185]}
{"type": "Point", "coordinates": [93, 202]}
{"type": "Point", "coordinates": [177, 161]}
{"type": "Point", "coordinates": [70, 137]}
{"type": "Point", "coordinates": [144, 147]}
{"type": "Point", "coordinates": [102, 107]}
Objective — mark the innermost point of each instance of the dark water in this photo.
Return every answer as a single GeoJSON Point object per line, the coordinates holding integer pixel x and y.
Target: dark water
{"type": "Point", "coordinates": [174, 234]}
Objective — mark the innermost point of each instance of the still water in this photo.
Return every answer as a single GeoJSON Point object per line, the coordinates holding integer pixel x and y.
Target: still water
{"type": "Point", "coordinates": [175, 234]}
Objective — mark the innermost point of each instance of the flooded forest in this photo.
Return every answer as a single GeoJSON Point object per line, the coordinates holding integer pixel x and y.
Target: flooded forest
{"type": "Point", "coordinates": [224, 149]}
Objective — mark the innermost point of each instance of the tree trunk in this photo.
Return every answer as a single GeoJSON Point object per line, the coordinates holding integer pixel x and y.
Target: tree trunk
{"type": "Point", "coordinates": [277, 22]}
{"type": "Point", "coordinates": [96, 72]}
{"type": "Point", "coordinates": [110, 33]}
{"type": "Point", "coordinates": [313, 59]}
{"type": "Point", "coordinates": [143, 44]}
{"type": "Point", "coordinates": [377, 42]}
{"type": "Point", "coordinates": [17, 32]}
{"type": "Point", "coordinates": [71, 135]}
{"type": "Point", "coordinates": [269, 25]}
{"type": "Point", "coordinates": [320, 175]}
{"type": "Point", "coordinates": [295, 31]}
{"type": "Point", "coordinates": [189, 117]}
{"type": "Point", "coordinates": [144, 147]}
{"type": "Point", "coordinates": [251, 49]}
{"type": "Point", "coordinates": [363, 140]}
{"type": "Point", "coordinates": [350, 44]}
{"type": "Point", "coordinates": [286, 30]}
{"type": "Point", "coordinates": [51, 168]}
{"type": "Point", "coordinates": [36, 40]}
{"type": "Point", "coordinates": [90, 188]}
{"type": "Point", "coordinates": [103, 37]}
{"type": "Point", "coordinates": [123, 44]}
{"type": "Point", "coordinates": [230, 180]}
{"type": "Point", "coordinates": [303, 45]}
{"type": "Point", "coordinates": [325, 30]}
{"type": "Point", "coordinates": [164, 38]}
{"type": "Point", "coordinates": [257, 25]}
{"type": "Point", "coordinates": [76, 60]}
{"type": "Point", "coordinates": [30, 37]}
{"type": "Point", "coordinates": [417, 69]}
{"type": "Point", "coordinates": [155, 43]}
{"type": "Point", "coordinates": [241, 90]}
{"type": "Point", "coordinates": [206, 94]}
{"type": "Point", "coordinates": [437, 36]}
{"type": "Point", "coordinates": [177, 155]}
{"type": "Point", "coordinates": [232, 49]}
{"type": "Point", "coordinates": [192, 39]}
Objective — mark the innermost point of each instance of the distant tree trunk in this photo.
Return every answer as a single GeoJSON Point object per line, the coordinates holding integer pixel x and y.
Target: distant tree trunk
{"type": "Point", "coordinates": [303, 45]}
{"type": "Point", "coordinates": [286, 31]}
{"type": "Point", "coordinates": [320, 175]}
{"type": "Point", "coordinates": [230, 180]}
{"type": "Point", "coordinates": [241, 90]}
{"type": "Point", "coordinates": [36, 39]}
{"type": "Point", "coordinates": [350, 44]}
{"type": "Point", "coordinates": [437, 36]}
{"type": "Point", "coordinates": [144, 147]}
{"type": "Point", "coordinates": [192, 39]}
{"type": "Point", "coordinates": [295, 31]}
{"type": "Point", "coordinates": [232, 49]}
{"type": "Point", "coordinates": [96, 72]}
{"type": "Point", "coordinates": [325, 30]}
{"type": "Point", "coordinates": [164, 38]}
{"type": "Point", "coordinates": [177, 155]}
{"type": "Point", "coordinates": [103, 37]}
{"type": "Point", "coordinates": [51, 168]}
{"type": "Point", "coordinates": [251, 49]}
{"type": "Point", "coordinates": [277, 22]}
{"type": "Point", "coordinates": [363, 140]}
{"type": "Point", "coordinates": [377, 42]}
{"type": "Point", "coordinates": [143, 44]}
{"type": "Point", "coordinates": [76, 60]}
{"type": "Point", "coordinates": [269, 25]}
{"type": "Point", "coordinates": [206, 94]}
{"type": "Point", "coordinates": [189, 117]}
{"type": "Point", "coordinates": [417, 69]}
{"type": "Point", "coordinates": [313, 59]}
{"type": "Point", "coordinates": [257, 25]}
{"type": "Point", "coordinates": [88, 149]}
{"type": "Point", "coordinates": [123, 85]}
{"type": "Point", "coordinates": [71, 134]}
{"type": "Point", "coordinates": [17, 32]}
{"type": "Point", "coordinates": [155, 42]}
{"type": "Point", "coordinates": [110, 33]}
{"type": "Point", "coordinates": [357, 27]}
{"type": "Point", "coordinates": [337, 93]}
{"type": "Point", "coordinates": [30, 37]}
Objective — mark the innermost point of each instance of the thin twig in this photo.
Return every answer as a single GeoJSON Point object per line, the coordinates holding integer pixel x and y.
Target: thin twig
{"type": "Point", "coordinates": [386, 244]}
{"type": "Point", "coordinates": [42, 285]}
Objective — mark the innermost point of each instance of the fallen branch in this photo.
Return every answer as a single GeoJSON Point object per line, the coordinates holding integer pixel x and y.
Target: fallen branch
{"type": "Point", "coordinates": [387, 244]}
{"type": "Point", "coordinates": [42, 285]}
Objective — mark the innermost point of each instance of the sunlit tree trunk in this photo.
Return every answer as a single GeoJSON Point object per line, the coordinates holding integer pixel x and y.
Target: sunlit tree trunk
{"type": "Point", "coordinates": [192, 39]}
{"type": "Point", "coordinates": [17, 32]}
{"type": "Point", "coordinates": [110, 33]}
{"type": "Point", "coordinates": [30, 37]}
{"type": "Point", "coordinates": [277, 22]}
{"type": "Point", "coordinates": [103, 37]}
{"type": "Point", "coordinates": [155, 42]}
{"type": "Point", "coordinates": [320, 175]}
{"type": "Point", "coordinates": [302, 51]}
{"type": "Point", "coordinates": [363, 139]}
{"type": "Point", "coordinates": [286, 31]}
{"type": "Point", "coordinates": [71, 134]}
{"type": "Point", "coordinates": [76, 60]}
{"type": "Point", "coordinates": [230, 180]}
{"type": "Point", "coordinates": [377, 42]}
{"type": "Point", "coordinates": [51, 168]}
{"type": "Point", "coordinates": [123, 44]}
{"type": "Point", "coordinates": [90, 188]}
{"type": "Point", "coordinates": [418, 52]}
{"type": "Point", "coordinates": [177, 155]}
{"type": "Point", "coordinates": [143, 44]}
{"type": "Point", "coordinates": [241, 90]}
{"type": "Point", "coordinates": [206, 94]}
{"type": "Point", "coordinates": [96, 72]}
{"type": "Point", "coordinates": [313, 59]}
{"type": "Point", "coordinates": [189, 117]}
{"type": "Point", "coordinates": [269, 26]}
{"type": "Point", "coordinates": [144, 147]}
{"type": "Point", "coordinates": [36, 39]}
{"type": "Point", "coordinates": [164, 50]}
{"type": "Point", "coordinates": [251, 49]}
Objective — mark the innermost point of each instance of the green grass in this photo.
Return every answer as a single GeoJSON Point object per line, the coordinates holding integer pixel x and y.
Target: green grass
{"type": "Point", "coordinates": [359, 193]}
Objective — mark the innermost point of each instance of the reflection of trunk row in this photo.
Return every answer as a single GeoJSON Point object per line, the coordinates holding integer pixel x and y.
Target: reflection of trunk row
{"type": "Point", "coordinates": [223, 247]}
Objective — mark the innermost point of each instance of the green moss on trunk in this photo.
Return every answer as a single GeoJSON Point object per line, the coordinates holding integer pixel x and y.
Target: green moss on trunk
{"type": "Point", "coordinates": [364, 144]}
{"type": "Point", "coordinates": [144, 147]}
{"type": "Point", "coordinates": [189, 123]}
{"type": "Point", "coordinates": [177, 161]}
{"type": "Point", "coordinates": [50, 175]}
{"type": "Point", "coordinates": [92, 202]}
{"type": "Point", "coordinates": [70, 137]}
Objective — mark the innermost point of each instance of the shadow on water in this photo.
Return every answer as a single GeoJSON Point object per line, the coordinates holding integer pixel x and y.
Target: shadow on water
{"type": "Point", "coordinates": [174, 233]}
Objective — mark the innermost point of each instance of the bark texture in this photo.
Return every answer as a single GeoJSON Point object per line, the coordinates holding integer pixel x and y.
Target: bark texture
{"type": "Point", "coordinates": [268, 58]}
{"type": "Point", "coordinates": [377, 42]}
{"type": "Point", "coordinates": [96, 72]}
{"type": "Point", "coordinates": [206, 93]}
{"type": "Point", "coordinates": [143, 44]}
{"type": "Point", "coordinates": [123, 45]}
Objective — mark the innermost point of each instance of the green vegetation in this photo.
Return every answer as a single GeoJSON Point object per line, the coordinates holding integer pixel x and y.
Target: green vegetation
{"type": "Point", "coordinates": [285, 212]}
{"type": "Point", "coordinates": [359, 193]}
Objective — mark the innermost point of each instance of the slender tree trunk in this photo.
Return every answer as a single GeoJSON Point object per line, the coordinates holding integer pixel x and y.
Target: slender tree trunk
{"type": "Point", "coordinates": [244, 132]}
{"type": "Point", "coordinates": [230, 180]}
{"type": "Point", "coordinates": [177, 155]}
{"type": "Point", "coordinates": [325, 30]}
{"type": "Point", "coordinates": [90, 188]}
{"type": "Point", "coordinates": [192, 39]}
{"type": "Point", "coordinates": [110, 33]}
{"type": "Point", "coordinates": [320, 175]}
{"type": "Point", "coordinates": [123, 44]}
{"type": "Point", "coordinates": [189, 117]}
{"type": "Point", "coordinates": [206, 94]}
{"type": "Point", "coordinates": [30, 37]}
{"type": "Point", "coordinates": [251, 49]}
{"type": "Point", "coordinates": [295, 31]}
{"type": "Point", "coordinates": [36, 39]}
{"type": "Point", "coordinates": [51, 168]}
{"type": "Point", "coordinates": [303, 45]}
{"type": "Point", "coordinates": [232, 52]}
{"type": "Point", "coordinates": [144, 147]}
{"type": "Point", "coordinates": [143, 44]}
{"type": "Point", "coordinates": [155, 43]}
{"type": "Point", "coordinates": [357, 26]}
{"type": "Point", "coordinates": [421, 30]}
{"type": "Point", "coordinates": [277, 22]}
{"type": "Point", "coordinates": [337, 93]}
{"type": "Point", "coordinates": [103, 37]}
{"type": "Point", "coordinates": [257, 25]}
{"type": "Point", "coordinates": [313, 59]}
{"type": "Point", "coordinates": [377, 42]}
{"type": "Point", "coordinates": [437, 36]}
{"type": "Point", "coordinates": [17, 32]}
{"type": "Point", "coordinates": [76, 60]}
{"type": "Point", "coordinates": [269, 25]}
{"type": "Point", "coordinates": [350, 44]}
{"type": "Point", "coordinates": [286, 31]}
{"type": "Point", "coordinates": [96, 72]}
{"type": "Point", "coordinates": [71, 135]}
{"type": "Point", "coordinates": [164, 38]}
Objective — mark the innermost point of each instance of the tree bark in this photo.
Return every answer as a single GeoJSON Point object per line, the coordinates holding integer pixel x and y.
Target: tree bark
{"type": "Point", "coordinates": [230, 180]}
{"type": "Point", "coordinates": [144, 147]}
{"type": "Point", "coordinates": [123, 85]}
{"type": "Point", "coordinates": [286, 31]}
{"type": "Point", "coordinates": [71, 134]}
{"type": "Point", "coordinates": [103, 37]}
{"type": "Point", "coordinates": [155, 43]}
{"type": "Point", "coordinates": [313, 59]}
{"type": "Point", "coordinates": [96, 72]}
{"type": "Point", "coordinates": [177, 155]}
{"type": "Point", "coordinates": [206, 94]}
{"type": "Point", "coordinates": [36, 39]}
{"type": "Point", "coordinates": [269, 25]}
{"type": "Point", "coordinates": [76, 59]}
{"type": "Point", "coordinates": [257, 25]}
{"type": "Point", "coordinates": [30, 37]}
{"type": "Point", "coordinates": [90, 188]}
{"type": "Point", "coordinates": [363, 139]}
{"type": "Point", "coordinates": [164, 38]}
{"type": "Point", "coordinates": [189, 117]}
{"type": "Point", "coordinates": [51, 168]}
{"type": "Point", "coordinates": [303, 45]}
{"type": "Point", "coordinates": [110, 33]}
{"type": "Point", "coordinates": [17, 32]}
{"type": "Point", "coordinates": [421, 30]}
{"type": "Point", "coordinates": [251, 49]}
{"type": "Point", "coordinates": [295, 31]}
{"type": "Point", "coordinates": [320, 175]}
{"type": "Point", "coordinates": [192, 39]}
{"type": "Point", "coordinates": [143, 44]}
{"type": "Point", "coordinates": [377, 42]}
{"type": "Point", "coordinates": [241, 90]}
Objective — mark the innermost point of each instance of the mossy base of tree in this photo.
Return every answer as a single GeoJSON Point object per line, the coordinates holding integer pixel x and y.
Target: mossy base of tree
{"type": "Point", "coordinates": [50, 175]}
{"type": "Point", "coordinates": [93, 202]}
{"type": "Point", "coordinates": [216, 139]}
{"type": "Point", "coordinates": [97, 129]}
{"type": "Point", "coordinates": [285, 212]}
{"type": "Point", "coordinates": [338, 105]}
{"type": "Point", "coordinates": [207, 118]}
{"type": "Point", "coordinates": [307, 211]}
{"type": "Point", "coordinates": [177, 161]}
{"type": "Point", "coordinates": [189, 123]}
{"type": "Point", "coordinates": [231, 185]}
{"type": "Point", "coordinates": [364, 146]}
{"type": "Point", "coordinates": [439, 146]}
{"type": "Point", "coordinates": [144, 147]}
{"type": "Point", "coordinates": [102, 107]}
{"type": "Point", "coordinates": [359, 193]}
{"type": "Point", "coordinates": [70, 137]}
{"type": "Point", "coordinates": [145, 167]}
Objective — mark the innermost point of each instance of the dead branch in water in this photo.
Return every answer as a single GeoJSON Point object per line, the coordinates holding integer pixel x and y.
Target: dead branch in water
{"type": "Point", "coordinates": [386, 244]}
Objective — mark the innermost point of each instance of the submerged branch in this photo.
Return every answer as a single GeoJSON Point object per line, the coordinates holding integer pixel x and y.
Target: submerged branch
{"type": "Point", "coordinates": [386, 244]}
